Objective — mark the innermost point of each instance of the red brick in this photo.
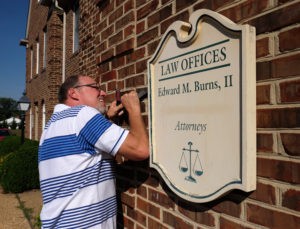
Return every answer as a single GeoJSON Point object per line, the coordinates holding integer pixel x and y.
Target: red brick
{"type": "Point", "coordinates": [118, 61]}
{"type": "Point", "coordinates": [116, 15]}
{"type": "Point", "coordinates": [181, 4]}
{"type": "Point", "coordinates": [159, 16]}
{"type": "Point", "coordinates": [126, 71]}
{"type": "Point", "coordinates": [228, 207]}
{"type": "Point", "coordinates": [111, 86]}
{"type": "Point", "coordinates": [184, 16]}
{"type": "Point", "coordinates": [286, 171]}
{"type": "Point", "coordinates": [142, 191]}
{"type": "Point", "coordinates": [140, 2]}
{"type": "Point", "coordinates": [291, 143]}
{"type": "Point", "coordinates": [116, 38]}
{"type": "Point", "coordinates": [119, 2]}
{"type": "Point", "coordinates": [141, 66]}
{"type": "Point", "coordinates": [135, 55]}
{"type": "Point", "coordinates": [140, 27]}
{"type": "Point", "coordinates": [152, 47]}
{"type": "Point", "coordinates": [290, 91]}
{"type": "Point", "coordinates": [137, 216]}
{"type": "Point", "coordinates": [263, 94]}
{"type": "Point", "coordinates": [227, 224]}
{"type": "Point", "coordinates": [147, 36]}
{"type": "Point", "coordinates": [125, 46]}
{"type": "Point", "coordinates": [101, 26]}
{"type": "Point", "coordinates": [278, 118]}
{"type": "Point", "coordinates": [271, 218]}
{"type": "Point", "coordinates": [262, 47]}
{"type": "Point", "coordinates": [128, 223]}
{"type": "Point", "coordinates": [264, 193]}
{"type": "Point", "coordinates": [128, 5]}
{"type": "Point", "coordinates": [154, 224]}
{"type": "Point", "coordinates": [212, 4]}
{"type": "Point", "coordinates": [106, 33]}
{"type": "Point", "coordinates": [145, 119]}
{"type": "Point", "coordinates": [245, 10]}
{"type": "Point", "coordinates": [109, 76]}
{"type": "Point", "coordinates": [278, 68]}
{"type": "Point", "coordinates": [107, 55]}
{"type": "Point", "coordinates": [148, 208]}
{"type": "Point", "coordinates": [175, 222]}
{"type": "Point", "coordinates": [196, 215]}
{"type": "Point", "coordinates": [125, 20]}
{"type": "Point", "coordinates": [289, 40]}
{"type": "Point", "coordinates": [147, 9]}
{"type": "Point", "coordinates": [128, 200]}
{"type": "Point", "coordinates": [107, 8]}
{"type": "Point", "coordinates": [129, 30]}
{"type": "Point", "coordinates": [135, 81]}
{"type": "Point", "coordinates": [291, 199]}
{"type": "Point", "coordinates": [161, 199]}
{"type": "Point", "coordinates": [103, 68]}
{"type": "Point", "coordinates": [277, 19]}
{"type": "Point", "coordinates": [152, 181]}
{"type": "Point", "coordinates": [264, 143]}
{"type": "Point", "coordinates": [121, 85]}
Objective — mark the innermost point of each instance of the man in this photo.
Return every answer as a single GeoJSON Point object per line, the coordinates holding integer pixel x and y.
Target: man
{"type": "Point", "coordinates": [76, 153]}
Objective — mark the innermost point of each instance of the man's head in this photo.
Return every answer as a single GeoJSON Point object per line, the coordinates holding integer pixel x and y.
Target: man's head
{"type": "Point", "coordinates": [82, 90]}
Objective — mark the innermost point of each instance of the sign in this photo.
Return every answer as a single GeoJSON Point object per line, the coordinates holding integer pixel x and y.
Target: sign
{"type": "Point", "coordinates": [202, 107]}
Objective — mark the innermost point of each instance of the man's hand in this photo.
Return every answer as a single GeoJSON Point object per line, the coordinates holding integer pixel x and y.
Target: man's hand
{"type": "Point", "coordinates": [131, 102]}
{"type": "Point", "coordinates": [114, 110]}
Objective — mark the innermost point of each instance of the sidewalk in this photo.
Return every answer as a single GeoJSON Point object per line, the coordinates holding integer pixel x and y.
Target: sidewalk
{"type": "Point", "coordinates": [12, 217]}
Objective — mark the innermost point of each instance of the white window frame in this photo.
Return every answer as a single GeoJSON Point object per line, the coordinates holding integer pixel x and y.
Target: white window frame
{"type": "Point", "coordinates": [44, 116]}
{"type": "Point", "coordinates": [31, 62]}
{"type": "Point", "coordinates": [76, 15]}
{"type": "Point", "coordinates": [37, 57]}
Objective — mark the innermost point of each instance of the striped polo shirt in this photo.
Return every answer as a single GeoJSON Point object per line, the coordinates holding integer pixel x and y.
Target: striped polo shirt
{"type": "Point", "coordinates": [76, 165]}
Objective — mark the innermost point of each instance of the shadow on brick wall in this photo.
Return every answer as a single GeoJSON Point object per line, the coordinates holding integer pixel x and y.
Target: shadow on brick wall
{"type": "Point", "coordinates": [129, 176]}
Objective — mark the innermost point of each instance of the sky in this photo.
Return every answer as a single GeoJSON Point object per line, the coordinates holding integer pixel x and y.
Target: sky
{"type": "Point", "coordinates": [13, 21]}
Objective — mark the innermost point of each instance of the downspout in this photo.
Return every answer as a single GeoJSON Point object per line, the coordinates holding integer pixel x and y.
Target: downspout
{"type": "Point", "coordinates": [64, 41]}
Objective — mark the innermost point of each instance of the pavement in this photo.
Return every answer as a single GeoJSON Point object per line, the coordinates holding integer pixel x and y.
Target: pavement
{"type": "Point", "coordinates": [11, 216]}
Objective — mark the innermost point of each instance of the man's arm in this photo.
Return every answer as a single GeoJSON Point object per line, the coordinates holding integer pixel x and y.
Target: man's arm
{"type": "Point", "coordinates": [136, 144]}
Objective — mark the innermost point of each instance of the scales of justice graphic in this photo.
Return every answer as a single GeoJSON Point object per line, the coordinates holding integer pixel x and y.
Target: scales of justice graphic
{"type": "Point", "coordinates": [184, 167]}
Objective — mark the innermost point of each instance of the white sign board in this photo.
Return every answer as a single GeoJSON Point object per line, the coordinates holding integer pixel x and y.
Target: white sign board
{"type": "Point", "coordinates": [202, 107]}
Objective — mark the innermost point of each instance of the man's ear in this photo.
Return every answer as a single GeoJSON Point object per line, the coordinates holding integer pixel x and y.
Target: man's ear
{"type": "Point", "coordinates": [73, 94]}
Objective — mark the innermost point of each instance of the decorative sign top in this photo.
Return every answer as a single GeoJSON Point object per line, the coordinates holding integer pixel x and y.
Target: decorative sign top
{"type": "Point", "coordinates": [202, 107]}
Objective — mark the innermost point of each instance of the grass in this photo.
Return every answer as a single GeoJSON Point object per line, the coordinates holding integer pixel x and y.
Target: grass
{"type": "Point", "coordinates": [26, 211]}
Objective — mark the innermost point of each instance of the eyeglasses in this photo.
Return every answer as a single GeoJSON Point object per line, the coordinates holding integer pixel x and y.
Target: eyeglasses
{"type": "Point", "coordinates": [92, 85]}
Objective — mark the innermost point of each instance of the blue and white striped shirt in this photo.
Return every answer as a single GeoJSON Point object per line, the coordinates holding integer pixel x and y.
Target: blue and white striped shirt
{"type": "Point", "coordinates": [76, 165]}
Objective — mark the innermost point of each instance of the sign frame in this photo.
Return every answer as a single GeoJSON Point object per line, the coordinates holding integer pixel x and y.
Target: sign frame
{"type": "Point", "coordinates": [187, 33]}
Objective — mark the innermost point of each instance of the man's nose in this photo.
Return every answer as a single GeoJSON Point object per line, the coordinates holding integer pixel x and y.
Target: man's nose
{"type": "Point", "coordinates": [103, 93]}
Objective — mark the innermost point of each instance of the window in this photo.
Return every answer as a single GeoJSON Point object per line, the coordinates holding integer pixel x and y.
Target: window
{"type": "Point", "coordinates": [37, 57]}
{"type": "Point", "coordinates": [31, 63]}
{"type": "Point", "coordinates": [36, 122]}
{"type": "Point", "coordinates": [76, 27]}
{"type": "Point", "coordinates": [44, 116]}
{"type": "Point", "coordinates": [45, 48]}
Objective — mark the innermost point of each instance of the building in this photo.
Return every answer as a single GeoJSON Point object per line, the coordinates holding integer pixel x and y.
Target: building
{"type": "Point", "coordinates": [112, 40]}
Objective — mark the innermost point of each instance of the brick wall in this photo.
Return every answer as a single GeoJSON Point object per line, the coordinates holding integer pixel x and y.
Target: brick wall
{"type": "Point", "coordinates": [126, 33]}
{"type": "Point", "coordinates": [117, 37]}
